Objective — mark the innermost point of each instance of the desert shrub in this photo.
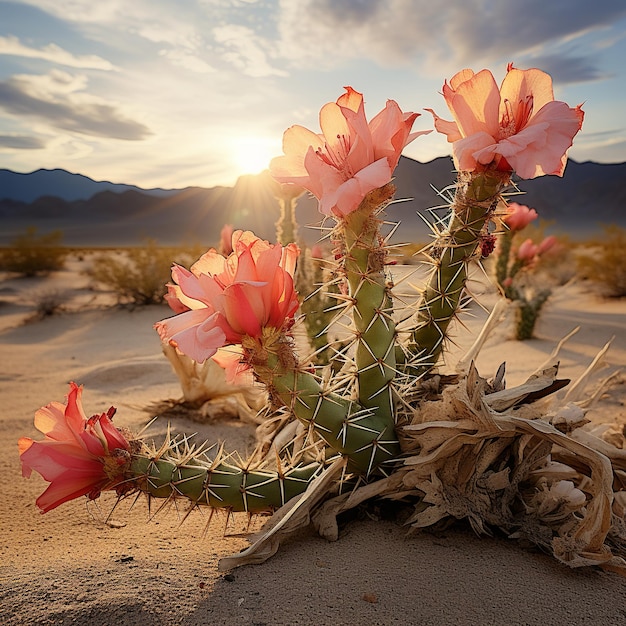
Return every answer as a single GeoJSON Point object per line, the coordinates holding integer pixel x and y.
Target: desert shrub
{"type": "Point", "coordinates": [47, 302]}
{"type": "Point", "coordinates": [30, 253]}
{"type": "Point", "coordinates": [139, 275]}
{"type": "Point", "coordinates": [604, 262]}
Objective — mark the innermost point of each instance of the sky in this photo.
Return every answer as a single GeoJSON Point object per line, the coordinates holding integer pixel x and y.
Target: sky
{"type": "Point", "coordinates": [168, 94]}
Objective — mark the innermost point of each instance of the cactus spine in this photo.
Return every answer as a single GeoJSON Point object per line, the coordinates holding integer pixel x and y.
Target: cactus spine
{"type": "Point", "coordinates": [475, 199]}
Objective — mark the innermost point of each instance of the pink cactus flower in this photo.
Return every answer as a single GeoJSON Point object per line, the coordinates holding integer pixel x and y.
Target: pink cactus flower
{"type": "Point", "coordinates": [226, 238]}
{"type": "Point", "coordinates": [232, 297]}
{"type": "Point", "coordinates": [78, 456]}
{"type": "Point", "coordinates": [549, 243]}
{"type": "Point", "coordinates": [237, 371]}
{"type": "Point", "coordinates": [173, 299]}
{"type": "Point", "coordinates": [317, 251]}
{"type": "Point", "coordinates": [350, 158]}
{"type": "Point", "coordinates": [519, 216]}
{"type": "Point", "coordinates": [527, 251]}
{"type": "Point", "coordinates": [519, 127]}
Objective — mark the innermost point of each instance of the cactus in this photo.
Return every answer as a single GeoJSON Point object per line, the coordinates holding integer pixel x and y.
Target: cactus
{"type": "Point", "coordinates": [370, 299]}
{"type": "Point", "coordinates": [347, 427]}
{"type": "Point", "coordinates": [527, 313]}
{"type": "Point", "coordinates": [355, 417]}
{"type": "Point", "coordinates": [514, 265]}
{"type": "Point", "coordinates": [476, 198]}
{"type": "Point", "coordinates": [178, 470]}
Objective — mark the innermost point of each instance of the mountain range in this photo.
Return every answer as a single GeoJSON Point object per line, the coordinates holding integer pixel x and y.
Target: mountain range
{"type": "Point", "coordinates": [97, 213]}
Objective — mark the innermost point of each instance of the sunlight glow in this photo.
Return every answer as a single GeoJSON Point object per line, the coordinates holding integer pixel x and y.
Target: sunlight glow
{"type": "Point", "coordinates": [252, 155]}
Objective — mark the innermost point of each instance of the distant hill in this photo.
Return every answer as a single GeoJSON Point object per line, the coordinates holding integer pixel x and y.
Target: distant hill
{"type": "Point", "coordinates": [61, 184]}
{"type": "Point", "coordinates": [94, 213]}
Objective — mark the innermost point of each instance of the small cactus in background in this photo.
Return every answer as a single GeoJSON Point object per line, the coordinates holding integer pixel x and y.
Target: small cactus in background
{"type": "Point", "coordinates": [310, 275]}
{"type": "Point", "coordinates": [514, 264]}
{"type": "Point", "coordinates": [370, 421]}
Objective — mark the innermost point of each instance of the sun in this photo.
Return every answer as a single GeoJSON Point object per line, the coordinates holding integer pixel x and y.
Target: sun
{"type": "Point", "coordinates": [252, 155]}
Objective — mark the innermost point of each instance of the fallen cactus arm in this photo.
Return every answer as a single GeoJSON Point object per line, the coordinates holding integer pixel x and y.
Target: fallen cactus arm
{"type": "Point", "coordinates": [181, 471]}
{"type": "Point", "coordinates": [85, 456]}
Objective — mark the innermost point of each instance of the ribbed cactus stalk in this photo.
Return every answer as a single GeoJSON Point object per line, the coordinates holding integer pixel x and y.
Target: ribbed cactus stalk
{"type": "Point", "coordinates": [180, 471]}
{"type": "Point", "coordinates": [502, 269]}
{"type": "Point", "coordinates": [369, 292]}
{"type": "Point", "coordinates": [527, 313]}
{"type": "Point", "coordinates": [286, 226]}
{"type": "Point", "coordinates": [317, 306]}
{"type": "Point", "coordinates": [347, 427]}
{"type": "Point", "coordinates": [475, 200]}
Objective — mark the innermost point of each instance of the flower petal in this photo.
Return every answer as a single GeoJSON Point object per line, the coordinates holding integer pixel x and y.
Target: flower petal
{"type": "Point", "coordinates": [475, 104]}
{"type": "Point", "coordinates": [541, 147]}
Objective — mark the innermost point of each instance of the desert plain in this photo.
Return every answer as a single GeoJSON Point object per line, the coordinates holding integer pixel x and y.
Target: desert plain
{"type": "Point", "coordinates": [100, 564]}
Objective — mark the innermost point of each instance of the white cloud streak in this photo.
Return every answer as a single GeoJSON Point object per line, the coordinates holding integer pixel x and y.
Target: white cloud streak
{"type": "Point", "coordinates": [57, 100]}
{"type": "Point", "coordinates": [245, 50]}
{"type": "Point", "coordinates": [54, 54]}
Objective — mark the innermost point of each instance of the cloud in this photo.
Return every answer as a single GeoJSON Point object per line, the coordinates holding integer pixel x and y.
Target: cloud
{"type": "Point", "coordinates": [244, 49]}
{"type": "Point", "coordinates": [82, 10]}
{"type": "Point", "coordinates": [53, 53]}
{"type": "Point", "coordinates": [21, 142]}
{"type": "Point", "coordinates": [510, 27]}
{"type": "Point", "coordinates": [187, 60]}
{"type": "Point", "coordinates": [441, 38]}
{"type": "Point", "coordinates": [56, 100]}
{"type": "Point", "coordinates": [567, 69]}
{"type": "Point", "coordinates": [601, 149]}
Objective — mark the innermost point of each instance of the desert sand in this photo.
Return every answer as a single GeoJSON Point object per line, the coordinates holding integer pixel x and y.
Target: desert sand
{"type": "Point", "coordinates": [88, 564]}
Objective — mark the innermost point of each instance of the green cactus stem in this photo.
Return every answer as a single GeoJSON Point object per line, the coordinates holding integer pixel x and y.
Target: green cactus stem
{"type": "Point", "coordinates": [505, 241]}
{"type": "Point", "coordinates": [476, 197]}
{"type": "Point", "coordinates": [358, 432]}
{"type": "Point", "coordinates": [286, 226]}
{"type": "Point", "coordinates": [215, 482]}
{"type": "Point", "coordinates": [527, 313]}
{"type": "Point", "coordinates": [317, 307]}
{"type": "Point", "coordinates": [369, 291]}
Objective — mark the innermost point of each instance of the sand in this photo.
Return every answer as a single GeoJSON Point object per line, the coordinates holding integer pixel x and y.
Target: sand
{"type": "Point", "coordinates": [86, 564]}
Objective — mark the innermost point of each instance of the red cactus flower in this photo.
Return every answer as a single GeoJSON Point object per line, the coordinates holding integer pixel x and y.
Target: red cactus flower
{"type": "Point", "coordinates": [79, 455]}
{"type": "Point", "coordinates": [232, 297]}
